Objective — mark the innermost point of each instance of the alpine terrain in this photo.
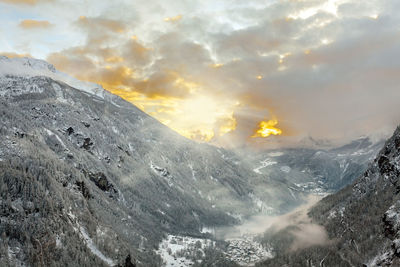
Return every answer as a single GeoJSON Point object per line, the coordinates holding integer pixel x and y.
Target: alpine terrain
{"type": "Point", "coordinates": [88, 179]}
{"type": "Point", "coordinates": [362, 220]}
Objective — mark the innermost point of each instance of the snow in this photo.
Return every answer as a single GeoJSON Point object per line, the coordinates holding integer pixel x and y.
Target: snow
{"type": "Point", "coordinates": [312, 187]}
{"type": "Point", "coordinates": [213, 179]}
{"type": "Point", "coordinates": [265, 163]}
{"type": "Point", "coordinates": [173, 248]}
{"type": "Point", "coordinates": [29, 67]}
{"type": "Point", "coordinates": [332, 214]}
{"type": "Point", "coordinates": [237, 216]}
{"type": "Point", "coordinates": [89, 242]}
{"type": "Point", "coordinates": [262, 207]}
{"type": "Point", "coordinates": [93, 248]}
{"type": "Point", "coordinates": [162, 172]}
{"type": "Point", "coordinates": [177, 250]}
{"type": "Point", "coordinates": [205, 230]}
{"type": "Point", "coordinates": [50, 133]}
{"type": "Point", "coordinates": [275, 154]}
{"type": "Point", "coordinates": [247, 252]}
{"type": "Point", "coordinates": [59, 93]}
{"type": "Point", "coordinates": [115, 129]}
{"type": "Point", "coordinates": [291, 193]}
{"type": "Point", "coordinates": [71, 215]}
{"type": "Point", "coordinates": [341, 211]}
{"type": "Point", "coordinates": [13, 252]}
{"type": "Point", "coordinates": [160, 211]}
{"type": "Point", "coordinates": [122, 198]}
{"type": "Point", "coordinates": [393, 215]}
{"type": "Point", "coordinates": [286, 169]}
{"type": "Point", "coordinates": [378, 260]}
{"type": "Point", "coordinates": [193, 171]}
{"type": "Point", "coordinates": [58, 242]}
{"type": "Point", "coordinates": [8, 87]}
{"type": "Point", "coordinates": [345, 168]}
{"type": "Point", "coordinates": [391, 249]}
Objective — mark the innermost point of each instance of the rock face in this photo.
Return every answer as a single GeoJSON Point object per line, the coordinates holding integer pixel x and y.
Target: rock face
{"type": "Point", "coordinates": [363, 219]}
{"type": "Point", "coordinates": [87, 179]}
{"type": "Point", "coordinates": [102, 182]}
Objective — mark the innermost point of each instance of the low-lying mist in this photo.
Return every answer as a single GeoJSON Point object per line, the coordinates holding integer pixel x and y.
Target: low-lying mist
{"type": "Point", "coordinates": [295, 223]}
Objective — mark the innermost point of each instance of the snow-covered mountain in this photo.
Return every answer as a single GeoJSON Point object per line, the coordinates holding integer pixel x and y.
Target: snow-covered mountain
{"type": "Point", "coordinates": [29, 67]}
{"type": "Point", "coordinates": [316, 170]}
{"type": "Point", "coordinates": [87, 178]}
{"type": "Point", "coordinates": [362, 220]}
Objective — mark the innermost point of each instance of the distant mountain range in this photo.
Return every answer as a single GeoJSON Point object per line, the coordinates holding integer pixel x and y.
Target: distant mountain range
{"type": "Point", "coordinates": [362, 220]}
{"type": "Point", "coordinates": [88, 179]}
{"type": "Point", "coordinates": [316, 170]}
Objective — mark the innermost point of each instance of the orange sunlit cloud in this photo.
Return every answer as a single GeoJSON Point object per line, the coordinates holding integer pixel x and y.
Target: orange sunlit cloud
{"type": "Point", "coordinates": [217, 65]}
{"type": "Point", "coordinates": [173, 19]}
{"type": "Point", "coordinates": [24, 2]}
{"type": "Point", "coordinates": [103, 23]}
{"type": "Point", "coordinates": [267, 128]}
{"type": "Point", "coordinates": [175, 100]}
{"type": "Point", "coordinates": [188, 64]}
{"type": "Point", "coordinates": [200, 118]}
{"type": "Point", "coordinates": [34, 24]}
{"type": "Point", "coordinates": [14, 55]}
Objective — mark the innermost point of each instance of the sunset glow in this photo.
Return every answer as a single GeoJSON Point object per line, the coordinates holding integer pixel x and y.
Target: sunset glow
{"type": "Point", "coordinates": [210, 70]}
{"type": "Point", "coordinates": [267, 128]}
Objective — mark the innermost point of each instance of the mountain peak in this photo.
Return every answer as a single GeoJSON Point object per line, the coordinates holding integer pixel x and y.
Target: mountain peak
{"type": "Point", "coordinates": [30, 67]}
{"type": "Point", "coordinates": [26, 63]}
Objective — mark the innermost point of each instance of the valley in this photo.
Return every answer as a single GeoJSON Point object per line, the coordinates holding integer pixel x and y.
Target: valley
{"type": "Point", "coordinates": [87, 177]}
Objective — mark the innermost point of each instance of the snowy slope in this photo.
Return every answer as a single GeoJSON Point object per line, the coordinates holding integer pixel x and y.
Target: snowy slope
{"type": "Point", "coordinates": [127, 179]}
{"type": "Point", "coordinates": [29, 67]}
{"type": "Point", "coordinates": [362, 220]}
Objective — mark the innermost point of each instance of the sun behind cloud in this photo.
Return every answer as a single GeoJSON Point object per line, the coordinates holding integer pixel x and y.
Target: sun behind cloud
{"type": "Point", "coordinates": [189, 64]}
{"type": "Point", "coordinates": [267, 128]}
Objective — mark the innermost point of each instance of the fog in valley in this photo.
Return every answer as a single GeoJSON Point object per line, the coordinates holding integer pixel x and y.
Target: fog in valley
{"type": "Point", "coordinates": [297, 223]}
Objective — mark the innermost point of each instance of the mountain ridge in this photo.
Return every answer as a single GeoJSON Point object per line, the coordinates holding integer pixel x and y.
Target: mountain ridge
{"type": "Point", "coordinates": [362, 219]}
{"type": "Point", "coordinates": [93, 176]}
{"type": "Point", "coordinates": [31, 67]}
{"type": "Point", "coordinates": [88, 178]}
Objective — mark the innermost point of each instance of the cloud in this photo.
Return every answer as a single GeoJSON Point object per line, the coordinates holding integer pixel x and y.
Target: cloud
{"type": "Point", "coordinates": [14, 55]}
{"type": "Point", "coordinates": [34, 24]}
{"type": "Point", "coordinates": [161, 85]}
{"type": "Point", "coordinates": [98, 23]}
{"type": "Point", "coordinates": [136, 52]}
{"type": "Point", "coordinates": [297, 223]}
{"type": "Point", "coordinates": [24, 2]}
{"type": "Point", "coordinates": [324, 69]}
{"type": "Point", "coordinates": [173, 19]}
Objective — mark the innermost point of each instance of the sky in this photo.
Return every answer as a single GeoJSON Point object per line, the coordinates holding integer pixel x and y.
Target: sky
{"type": "Point", "coordinates": [219, 71]}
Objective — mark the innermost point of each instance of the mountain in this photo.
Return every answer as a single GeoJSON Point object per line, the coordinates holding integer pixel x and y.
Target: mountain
{"type": "Point", "coordinates": [316, 170]}
{"type": "Point", "coordinates": [362, 220]}
{"type": "Point", "coordinates": [88, 179]}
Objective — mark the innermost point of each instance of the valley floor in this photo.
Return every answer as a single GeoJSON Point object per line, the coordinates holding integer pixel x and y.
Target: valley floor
{"type": "Point", "coordinates": [186, 251]}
